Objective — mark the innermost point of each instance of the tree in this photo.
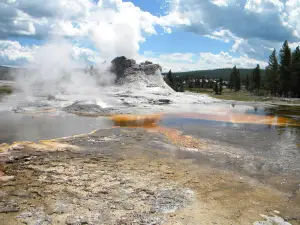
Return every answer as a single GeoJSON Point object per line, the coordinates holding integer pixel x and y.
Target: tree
{"type": "Point", "coordinates": [296, 56]}
{"type": "Point", "coordinates": [237, 86]}
{"type": "Point", "coordinates": [295, 72]}
{"type": "Point", "coordinates": [221, 86]}
{"type": "Point", "coordinates": [257, 77]}
{"type": "Point", "coordinates": [247, 82]}
{"type": "Point", "coordinates": [285, 64]}
{"type": "Point", "coordinates": [232, 79]}
{"type": "Point", "coordinates": [216, 88]}
{"type": "Point", "coordinates": [272, 73]}
{"type": "Point", "coordinates": [170, 79]}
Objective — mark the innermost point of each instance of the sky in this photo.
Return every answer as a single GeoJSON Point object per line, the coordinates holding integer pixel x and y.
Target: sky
{"type": "Point", "coordinates": [180, 35]}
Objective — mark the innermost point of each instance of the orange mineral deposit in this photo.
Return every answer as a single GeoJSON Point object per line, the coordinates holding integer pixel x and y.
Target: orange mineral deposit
{"type": "Point", "coordinates": [146, 121]}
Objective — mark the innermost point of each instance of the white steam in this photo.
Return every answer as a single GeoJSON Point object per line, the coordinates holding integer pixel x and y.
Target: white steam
{"type": "Point", "coordinates": [55, 73]}
{"type": "Point", "coordinates": [57, 78]}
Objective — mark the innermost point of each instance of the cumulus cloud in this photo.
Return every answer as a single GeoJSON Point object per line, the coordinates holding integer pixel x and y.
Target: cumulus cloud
{"type": "Point", "coordinates": [250, 24]}
{"type": "Point", "coordinates": [14, 53]}
{"type": "Point", "coordinates": [115, 27]}
{"type": "Point", "coordinates": [73, 18]}
{"type": "Point", "coordinates": [179, 62]}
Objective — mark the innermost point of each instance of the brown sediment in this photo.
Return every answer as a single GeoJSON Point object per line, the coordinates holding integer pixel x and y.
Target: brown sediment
{"type": "Point", "coordinates": [45, 145]}
{"type": "Point", "coordinates": [4, 147]}
{"type": "Point", "coordinates": [124, 180]}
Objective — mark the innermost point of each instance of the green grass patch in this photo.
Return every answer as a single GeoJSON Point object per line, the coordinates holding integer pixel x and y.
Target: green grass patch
{"type": "Point", "coordinates": [227, 94]}
{"type": "Point", "coordinates": [5, 90]}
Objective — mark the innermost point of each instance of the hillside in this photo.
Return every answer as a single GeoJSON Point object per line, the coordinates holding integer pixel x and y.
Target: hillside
{"type": "Point", "coordinates": [216, 73]}
{"type": "Point", "coordinates": [6, 73]}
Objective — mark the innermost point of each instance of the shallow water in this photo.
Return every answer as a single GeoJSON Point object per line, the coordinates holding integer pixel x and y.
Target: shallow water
{"type": "Point", "coordinates": [39, 126]}
{"type": "Point", "coordinates": [269, 153]}
{"type": "Point", "coordinates": [268, 136]}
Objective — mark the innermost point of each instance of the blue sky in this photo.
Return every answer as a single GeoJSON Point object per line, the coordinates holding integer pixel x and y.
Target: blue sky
{"type": "Point", "coordinates": [178, 34]}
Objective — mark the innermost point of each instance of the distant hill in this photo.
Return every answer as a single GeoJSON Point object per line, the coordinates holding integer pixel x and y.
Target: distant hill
{"type": "Point", "coordinates": [6, 73]}
{"type": "Point", "coordinates": [9, 73]}
{"type": "Point", "coordinates": [216, 73]}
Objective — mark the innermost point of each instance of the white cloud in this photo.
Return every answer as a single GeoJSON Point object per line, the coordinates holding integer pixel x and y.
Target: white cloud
{"type": "Point", "coordinates": [13, 52]}
{"type": "Point", "coordinates": [254, 26]}
{"type": "Point", "coordinates": [178, 62]}
{"type": "Point", "coordinates": [263, 6]}
{"type": "Point", "coordinates": [225, 60]}
{"type": "Point", "coordinates": [221, 3]}
{"type": "Point", "coordinates": [116, 27]}
{"type": "Point", "coordinates": [72, 18]}
{"type": "Point", "coordinates": [222, 35]}
{"type": "Point", "coordinates": [177, 57]}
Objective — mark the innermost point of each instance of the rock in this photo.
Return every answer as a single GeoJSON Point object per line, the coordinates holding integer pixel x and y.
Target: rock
{"type": "Point", "coordinates": [146, 63]}
{"type": "Point", "coordinates": [86, 109]}
{"type": "Point", "coordinates": [120, 64]}
{"type": "Point", "coordinates": [127, 206]}
{"type": "Point", "coordinates": [168, 201]}
{"type": "Point", "coordinates": [18, 110]}
{"type": "Point", "coordinates": [51, 98]}
{"type": "Point", "coordinates": [76, 220]}
{"type": "Point", "coordinates": [123, 67]}
{"type": "Point", "coordinates": [8, 208]}
{"type": "Point", "coordinates": [160, 102]}
{"type": "Point", "coordinates": [15, 147]}
{"type": "Point", "coordinates": [6, 178]}
{"type": "Point", "coordinates": [25, 215]}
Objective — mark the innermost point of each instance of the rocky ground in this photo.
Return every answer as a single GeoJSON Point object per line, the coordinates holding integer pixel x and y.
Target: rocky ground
{"type": "Point", "coordinates": [130, 176]}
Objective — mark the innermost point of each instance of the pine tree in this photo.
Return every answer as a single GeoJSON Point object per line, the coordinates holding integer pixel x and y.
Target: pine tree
{"type": "Point", "coordinates": [247, 82]}
{"type": "Point", "coordinates": [296, 56]}
{"type": "Point", "coordinates": [232, 79]}
{"type": "Point", "coordinates": [237, 86]}
{"type": "Point", "coordinates": [170, 79]}
{"type": "Point", "coordinates": [295, 72]}
{"type": "Point", "coordinates": [216, 90]}
{"type": "Point", "coordinates": [272, 73]}
{"type": "Point", "coordinates": [257, 77]}
{"type": "Point", "coordinates": [221, 86]}
{"type": "Point", "coordinates": [285, 64]}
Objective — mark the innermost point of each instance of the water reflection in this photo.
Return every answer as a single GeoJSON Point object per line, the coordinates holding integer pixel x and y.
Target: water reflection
{"type": "Point", "coordinates": [34, 127]}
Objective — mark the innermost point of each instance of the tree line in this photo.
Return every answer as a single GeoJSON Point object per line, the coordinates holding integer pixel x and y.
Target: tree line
{"type": "Point", "coordinates": [280, 78]}
{"type": "Point", "coordinates": [283, 76]}
{"type": "Point", "coordinates": [223, 73]}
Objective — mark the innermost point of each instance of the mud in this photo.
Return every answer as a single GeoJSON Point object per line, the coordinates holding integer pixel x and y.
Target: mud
{"type": "Point", "coordinates": [129, 176]}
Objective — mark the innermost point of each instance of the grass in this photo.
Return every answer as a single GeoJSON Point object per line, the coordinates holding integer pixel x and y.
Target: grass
{"type": "Point", "coordinates": [227, 94]}
{"type": "Point", "coordinates": [5, 89]}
